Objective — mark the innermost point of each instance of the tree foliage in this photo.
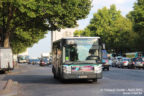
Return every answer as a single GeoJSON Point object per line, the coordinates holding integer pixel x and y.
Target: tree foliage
{"type": "Point", "coordinates": [78, 33]}
{"type": "Point", "coordinates": [137, 17]}
{"type": "Point", "coordinates": [114, 29]}
{"type": "Point", "coordinates": [25, 22]}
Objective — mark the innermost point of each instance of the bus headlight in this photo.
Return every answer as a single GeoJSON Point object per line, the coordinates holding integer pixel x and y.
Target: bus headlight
{"type": "Point", "coordinates": [98, 68]}
{"type": "Point", "coordinates": [66, 69]}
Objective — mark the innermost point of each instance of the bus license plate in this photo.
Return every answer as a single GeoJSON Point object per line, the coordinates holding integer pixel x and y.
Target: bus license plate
{"type": "Point", "coordinates": [82, 76]}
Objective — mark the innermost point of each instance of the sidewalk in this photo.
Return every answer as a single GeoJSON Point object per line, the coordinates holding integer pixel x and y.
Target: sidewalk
{"type": "Point", "coordinates": [2, 84]}
{"type": "Point", "coordinates": [18, 69]}
{"type": "Point", "coordinates": [9, 88]}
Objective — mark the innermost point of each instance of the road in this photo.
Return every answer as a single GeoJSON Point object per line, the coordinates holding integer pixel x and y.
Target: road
{"type": "Point", "coordinates": [38, 81]}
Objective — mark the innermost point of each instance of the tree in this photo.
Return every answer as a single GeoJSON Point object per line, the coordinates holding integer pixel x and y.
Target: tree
{"type": "Point", "coordinates": [114, 29]}
{"type": "Point", "coordinates": [25, 22]}
{"type": "Point", "coordinates": [78, 33]}
{"type": "Point", "coordinates": [137, 17]}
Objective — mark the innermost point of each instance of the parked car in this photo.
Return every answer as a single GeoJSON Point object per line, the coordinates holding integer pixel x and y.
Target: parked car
{"type": "Point", "coordinates": [139, 63]}
{"type": "Point", "coordinates": [124, 62]}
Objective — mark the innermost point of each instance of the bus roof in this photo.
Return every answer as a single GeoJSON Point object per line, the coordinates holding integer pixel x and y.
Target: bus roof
{"type": "Point", "coordinates": [78, 38]}
{"type": "Point", "coordinates": [81, 38]}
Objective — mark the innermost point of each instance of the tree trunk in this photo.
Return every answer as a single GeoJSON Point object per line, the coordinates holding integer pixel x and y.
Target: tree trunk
{"type": "Point", "coordinates": [6, 40]}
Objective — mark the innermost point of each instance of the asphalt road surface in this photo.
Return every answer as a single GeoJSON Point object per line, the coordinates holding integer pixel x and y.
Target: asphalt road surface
{"type": "Point", "coordinates": [38, 81]}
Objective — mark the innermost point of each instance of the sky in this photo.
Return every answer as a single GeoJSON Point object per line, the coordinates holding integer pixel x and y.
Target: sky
{"type": "Point", "coordinates": [44, 45]}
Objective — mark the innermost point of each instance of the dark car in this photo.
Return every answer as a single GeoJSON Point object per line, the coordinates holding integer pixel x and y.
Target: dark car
{"type": "Point", "coordinates": [105, 63]}
{"type": "Point", "coordinates": [105, 60]}
{"type": "Point", "coordinates": [44, 62]}
{"type": "Point", "coordinates": [131, 63]}
{"type": "Point", "coordinates": [50, 61]}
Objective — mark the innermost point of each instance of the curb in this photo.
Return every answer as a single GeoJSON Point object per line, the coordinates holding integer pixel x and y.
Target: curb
{"type": "Point", "coordinates": [11, 88]}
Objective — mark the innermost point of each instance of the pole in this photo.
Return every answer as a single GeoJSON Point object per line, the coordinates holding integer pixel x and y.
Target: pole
{"type": "Point", "coordinates": [3, 26]}
{"type": "Point", "coordinates": [0, 35]}
{"type": "Point", "coordinates": [51, 40]}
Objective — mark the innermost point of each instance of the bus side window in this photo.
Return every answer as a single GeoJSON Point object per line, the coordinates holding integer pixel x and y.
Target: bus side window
{"type": "Point", "coordinates": [54, 51]}
{"type": "Point", "coordinates": [67, 58]}
{"type": "Point", "coordinates": [67, 54]}
{"type": "Point", "coordinates": [58, 51]}
{"type": "Point", "coordinates": [73, 54]}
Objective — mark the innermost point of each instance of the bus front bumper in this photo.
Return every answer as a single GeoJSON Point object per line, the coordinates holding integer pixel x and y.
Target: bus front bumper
{"type": "Point", "coordinates": [83, 76]}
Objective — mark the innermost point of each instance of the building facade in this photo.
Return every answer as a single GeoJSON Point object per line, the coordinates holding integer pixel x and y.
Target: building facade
{"type": "Point", "coordinates": [67, 32]}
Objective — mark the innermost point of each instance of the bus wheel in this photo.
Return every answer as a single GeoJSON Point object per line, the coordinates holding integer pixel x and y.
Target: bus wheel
{"type": "Point", "coordinates": [2, 71]}
{"type": "Point", "coordinates": [94, 80]}
{"type": "Point", "coordinates": [54, 76]}
{"type": "Point", "coordinates": [139, 68]}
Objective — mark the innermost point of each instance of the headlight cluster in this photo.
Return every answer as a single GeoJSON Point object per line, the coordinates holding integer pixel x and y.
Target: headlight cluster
{"type": "Point", "coordinates": [98, 68]}
{"type": "Point", "coordinates": [67, 69]}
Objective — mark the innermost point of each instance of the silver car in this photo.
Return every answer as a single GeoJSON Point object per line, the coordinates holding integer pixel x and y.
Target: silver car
{"type": "Point", "coordinates": [124, 62]}
{"type": "Point", "coordinates": [139, 63]}
{"type": "Point", "coordinates": [116, 61]}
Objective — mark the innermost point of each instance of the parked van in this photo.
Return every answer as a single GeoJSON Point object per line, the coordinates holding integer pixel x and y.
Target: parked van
{"type": "Point", "coordinates": [6, 59]}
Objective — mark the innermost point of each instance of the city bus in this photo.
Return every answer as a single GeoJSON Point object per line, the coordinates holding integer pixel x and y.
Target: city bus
{"type": "Point", "coordinates": [23, 58]}
{"type": "Point", "coordinates": [77, 58]}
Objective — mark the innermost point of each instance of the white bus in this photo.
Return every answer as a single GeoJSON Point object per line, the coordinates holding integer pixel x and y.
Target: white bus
{"type": "Point", "coordinates": [77, 58]}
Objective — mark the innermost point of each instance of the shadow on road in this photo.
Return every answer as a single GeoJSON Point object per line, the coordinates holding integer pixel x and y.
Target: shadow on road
{"type": "Point", "coordinates": [42, 79]}
{"type": "Point", "coordinates": [2, 72]}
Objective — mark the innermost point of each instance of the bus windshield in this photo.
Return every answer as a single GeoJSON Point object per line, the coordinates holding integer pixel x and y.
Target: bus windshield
{"type": "Point", "coordinates": [82, 50]}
